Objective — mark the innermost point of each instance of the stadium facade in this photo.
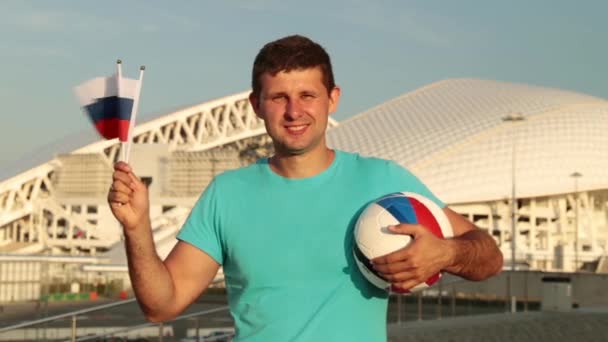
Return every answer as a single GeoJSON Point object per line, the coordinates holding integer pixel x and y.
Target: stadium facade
{"type": "Point", "coordinates": [452, 134]}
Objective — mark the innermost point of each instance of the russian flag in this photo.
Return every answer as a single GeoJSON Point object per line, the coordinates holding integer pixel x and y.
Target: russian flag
{"type": "Point", "coordinates": [109, 101]}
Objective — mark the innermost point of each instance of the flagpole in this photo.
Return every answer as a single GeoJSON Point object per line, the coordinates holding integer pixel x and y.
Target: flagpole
{"type": "Point", "coordinates": [123, 150]}
{"type": "Point", "coordinates": [134, 113]}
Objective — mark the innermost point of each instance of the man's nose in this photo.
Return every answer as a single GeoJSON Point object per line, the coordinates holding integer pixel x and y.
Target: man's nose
{"type": "Point", "coordinates": [293, 110]}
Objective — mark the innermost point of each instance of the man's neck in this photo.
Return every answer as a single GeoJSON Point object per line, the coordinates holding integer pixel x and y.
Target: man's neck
{"type": "Point", "coordinates": [304, 165]}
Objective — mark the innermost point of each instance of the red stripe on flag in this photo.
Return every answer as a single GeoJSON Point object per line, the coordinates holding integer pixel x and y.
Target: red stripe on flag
{"type": "Point", "coordinates": [113, 128]}
{"type": "Point", "coordinates": [425, 217]}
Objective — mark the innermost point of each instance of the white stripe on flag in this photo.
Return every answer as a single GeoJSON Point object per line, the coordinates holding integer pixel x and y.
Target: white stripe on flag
{"type": "Point", "coordinates": [100, 87]}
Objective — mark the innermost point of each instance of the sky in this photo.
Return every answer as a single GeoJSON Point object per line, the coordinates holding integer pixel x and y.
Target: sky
{"type": "Point", "coordinates": [196, 51]}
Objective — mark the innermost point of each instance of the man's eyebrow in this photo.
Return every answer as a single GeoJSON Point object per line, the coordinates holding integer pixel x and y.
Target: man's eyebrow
{"type": "Point", "coordinates": [274, 93]}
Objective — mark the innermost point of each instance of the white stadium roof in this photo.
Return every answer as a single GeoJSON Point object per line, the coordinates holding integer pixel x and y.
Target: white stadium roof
{"type": "Point", "coordinates": [452, 135]}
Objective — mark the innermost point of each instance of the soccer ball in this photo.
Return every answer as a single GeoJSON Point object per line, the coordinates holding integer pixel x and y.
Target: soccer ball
{"type": "Point", "coordinates": [374, 239]}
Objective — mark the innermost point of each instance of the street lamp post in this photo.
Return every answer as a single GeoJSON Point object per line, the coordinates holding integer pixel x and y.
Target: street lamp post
{"type": "Point", "coordinates": [513, 118]}
{"type": "Point", "coordinates": [576, 175]}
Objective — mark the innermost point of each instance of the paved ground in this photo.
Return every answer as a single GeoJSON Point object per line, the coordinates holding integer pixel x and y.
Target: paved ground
{"type": "Point", "coordinates": [579, 326]}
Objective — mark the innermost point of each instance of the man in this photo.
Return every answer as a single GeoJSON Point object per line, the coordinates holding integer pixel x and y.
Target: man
{"type": "Point", "coordinates": [282, 228]}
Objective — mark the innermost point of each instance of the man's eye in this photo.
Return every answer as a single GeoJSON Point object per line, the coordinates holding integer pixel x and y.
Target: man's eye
{"type": "Point", "coordinates": [308, 96]}
{"type": "Point", "coordinates": [278, 99]}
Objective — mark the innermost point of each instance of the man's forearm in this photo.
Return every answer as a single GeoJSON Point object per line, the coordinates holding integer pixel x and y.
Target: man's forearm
{"type": "Point", "coordinates": [150, 278]}
{"type": "Point", "coordinates": [475, 256]}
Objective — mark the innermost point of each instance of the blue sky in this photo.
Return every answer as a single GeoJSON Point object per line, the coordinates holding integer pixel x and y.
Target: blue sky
{"type": "Point", "coordinates": [195, 51]}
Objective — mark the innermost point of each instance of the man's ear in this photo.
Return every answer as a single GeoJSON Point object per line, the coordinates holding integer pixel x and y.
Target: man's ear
{"type": "Point", "coordinates": [254, 100]}
{"type": "Point", "coordinates": [334, 99]}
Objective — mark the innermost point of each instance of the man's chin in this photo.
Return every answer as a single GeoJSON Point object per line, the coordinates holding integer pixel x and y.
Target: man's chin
{"type": "Point", "coordinates": [295, 149]}
{"type": "Point", "coordinates": [292, 150]}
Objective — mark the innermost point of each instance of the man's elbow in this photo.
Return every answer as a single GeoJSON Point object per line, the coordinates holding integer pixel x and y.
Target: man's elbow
{"type": "Point", "coordinates": [158, 317]}
{"type": "Point", "coordinates": [498, 262]}
{"type": "Point", "coordinates": [495, 265]}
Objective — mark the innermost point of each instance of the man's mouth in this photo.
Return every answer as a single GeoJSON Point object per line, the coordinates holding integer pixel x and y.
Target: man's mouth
{"type": "Point", "coordinates": [296, 129]}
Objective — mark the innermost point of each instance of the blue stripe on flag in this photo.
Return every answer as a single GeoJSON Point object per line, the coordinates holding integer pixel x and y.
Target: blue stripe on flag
{"type": "Point", "coordinates": [112, 107]}
{"type": "Point", "coordinates": [400, 207]}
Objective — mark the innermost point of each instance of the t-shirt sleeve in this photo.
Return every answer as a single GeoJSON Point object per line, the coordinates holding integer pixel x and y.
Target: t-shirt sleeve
{"type": "Point", "coordinates": [407, 180]}
{"type": "Point", "coordinates": [202, 228]}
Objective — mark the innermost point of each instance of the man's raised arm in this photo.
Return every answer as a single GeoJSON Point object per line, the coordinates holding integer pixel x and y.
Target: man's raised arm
{"type": "Point", "coordinates": [163, 289]}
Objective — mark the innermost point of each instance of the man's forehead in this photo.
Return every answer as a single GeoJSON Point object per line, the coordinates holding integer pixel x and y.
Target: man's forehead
{"type": "Point", "coordinates": [306, 76]}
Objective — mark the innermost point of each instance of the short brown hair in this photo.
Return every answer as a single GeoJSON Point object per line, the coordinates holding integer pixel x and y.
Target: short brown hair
{"type": "Point", "coordinates": [291, 53]}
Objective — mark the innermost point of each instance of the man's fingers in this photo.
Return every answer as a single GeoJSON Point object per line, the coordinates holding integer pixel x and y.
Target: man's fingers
{"type": "Point", "coordinates": [116, 205]}
{"type": "Point", "coordinates": [134, 182]}
{"type": "Point", "coordinates": [124, 173]}
{"type": "Point", "coordinates": [407, 229]}
{"type": "Point", "coordinates": [414, 230]}
{"type": "Point", "coordinates": [120, 187]}
{"type": "Point", "coordinates": [122, 166]}
{"type": "Point", "coordinates": [394, 267]}
{"type": "Point", "coordinates": [404, 286]}
{"type": "Point", "coordinates": [396, 256]}
{"type": "Point", "coordinates": [399, 277]}
{"type": "Point", "coordinates": [118, 197]}
{"type": "Point", "coordinates": [120, 176]}
{"type": "Point", "coordinates": [387, 259]}
{"type": "Point", "coordinates": [129, 179]}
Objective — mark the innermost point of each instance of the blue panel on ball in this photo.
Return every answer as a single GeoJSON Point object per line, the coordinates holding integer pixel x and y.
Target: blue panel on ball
{"type": "Point", "coordinates": [400, 207]}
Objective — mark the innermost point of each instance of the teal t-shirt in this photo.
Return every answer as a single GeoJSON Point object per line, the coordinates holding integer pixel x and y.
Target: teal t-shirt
{"type": "Point", "coordinates": [286, 248]}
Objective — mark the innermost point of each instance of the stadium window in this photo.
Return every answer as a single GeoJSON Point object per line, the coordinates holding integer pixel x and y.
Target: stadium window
{"type": "Point", "coordinates": [76, 209]}
{"type": "Point", "coordinates": [91, 209]}
{"type": "Point", "coordinates": [477, 217]}
{"type": "Point", "coordinates": [147, 181]}
{"type": "Point", "coordinates": [43, 186]}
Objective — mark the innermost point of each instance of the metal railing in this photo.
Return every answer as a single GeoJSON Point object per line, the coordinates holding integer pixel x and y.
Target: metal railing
{"type": "Point", "coordinates": [72, 314]}
{"type": "Point", "coordinates": [160, 328]}
{"type": "Point", "coordinates": [75, 314]}
{"type": "Point", "coordinates": [452, 296]}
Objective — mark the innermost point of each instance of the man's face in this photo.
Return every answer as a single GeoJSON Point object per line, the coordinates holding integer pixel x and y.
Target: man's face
{"type": "Point", "coordinates": [295, 107]}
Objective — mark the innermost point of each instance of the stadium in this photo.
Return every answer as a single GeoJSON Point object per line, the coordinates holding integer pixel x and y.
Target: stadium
{"type": "Point", "coordinates": [525, 163]}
